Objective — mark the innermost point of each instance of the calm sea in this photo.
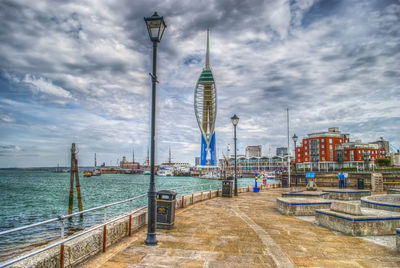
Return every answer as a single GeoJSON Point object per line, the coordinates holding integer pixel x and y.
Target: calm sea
{"type": "Point", "coordinates": [31, 196]}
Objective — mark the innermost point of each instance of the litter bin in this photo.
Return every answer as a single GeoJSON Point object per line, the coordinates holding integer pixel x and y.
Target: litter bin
{"type": "Point", "coordinates": [360, 183]}
{"type": "Point", "coordinates": [285, 181]}
{"type": "Point", "coordinates": [166, 201]}
{"type": "Point", "coordinates": [227, 187]}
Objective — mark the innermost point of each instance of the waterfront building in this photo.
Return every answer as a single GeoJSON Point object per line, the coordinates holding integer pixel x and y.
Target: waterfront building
{"type": "Point", "coordinates": [124, 164]}
{"type": "Point", "coordinates": [248, 165]}
{"type": "Point", "coordinates": [253, 151]}
{"type": "Point", "coordinates": [281, 151]}
{"type": "Point", "coordinates": [333, 150]}
{"type": "Point", "coordinates": [382, 145]}
{"type": "Point", "coordinates": [205, 108]}
{"type": "Point", "coordinates": [197, 161]}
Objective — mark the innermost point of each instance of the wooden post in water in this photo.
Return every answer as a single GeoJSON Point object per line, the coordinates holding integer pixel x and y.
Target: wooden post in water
{"type": "Point", "coordinates": [74, 172]}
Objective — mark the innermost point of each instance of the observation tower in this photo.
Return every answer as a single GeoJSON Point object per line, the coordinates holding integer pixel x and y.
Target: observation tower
{"type": "Point", "coordinates": [205, 109]}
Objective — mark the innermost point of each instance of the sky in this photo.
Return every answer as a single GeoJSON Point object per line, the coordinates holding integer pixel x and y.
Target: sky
{"type": "Point", "coordinates": [78, 71]}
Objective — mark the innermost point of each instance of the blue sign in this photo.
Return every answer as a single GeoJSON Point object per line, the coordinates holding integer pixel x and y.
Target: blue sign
{"type": "Point", "coordinates": [310, 175]}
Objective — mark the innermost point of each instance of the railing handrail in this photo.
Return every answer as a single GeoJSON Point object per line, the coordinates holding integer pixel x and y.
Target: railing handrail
{"type": "Point", "coordinates": [61, 217]}
{"type": "Point", "coordinates": [91, 228]}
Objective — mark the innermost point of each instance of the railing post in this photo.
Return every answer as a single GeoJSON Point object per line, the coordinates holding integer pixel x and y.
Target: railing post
{"type": "Point", "coordinates": [62, 245]}
{"type": "Point", "coordinates": [105, 230]}
{"type": "Point", "coordinates": [130, 218]}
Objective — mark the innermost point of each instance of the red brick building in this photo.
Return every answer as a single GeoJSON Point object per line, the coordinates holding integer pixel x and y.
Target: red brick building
{"type": "Point", "coordinates": [333, 150]}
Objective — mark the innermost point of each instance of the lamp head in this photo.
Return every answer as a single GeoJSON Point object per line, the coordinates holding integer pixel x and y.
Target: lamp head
{"type": "Point", "coordinates": [235, 120]}
{"type": "Point", "coordinates": [155, 26]}
{"type": "Point", "coordinates": [294, 138]}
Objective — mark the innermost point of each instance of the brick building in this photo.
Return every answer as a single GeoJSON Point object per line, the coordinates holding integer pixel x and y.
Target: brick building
{"type": "Point", "coordinates": [333, 150]}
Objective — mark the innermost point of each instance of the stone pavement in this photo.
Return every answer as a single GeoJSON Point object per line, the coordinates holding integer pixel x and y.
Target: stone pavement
{"type": "Point", "coordinates": [246, 231]}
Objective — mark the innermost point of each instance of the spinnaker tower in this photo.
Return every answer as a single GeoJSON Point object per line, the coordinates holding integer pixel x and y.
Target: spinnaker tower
{"type": "Point", "coordinates": [205, 108]}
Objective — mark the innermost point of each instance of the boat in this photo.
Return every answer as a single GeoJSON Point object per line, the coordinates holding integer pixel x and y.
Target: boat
{"type": "Point", "coordinates": [164, 172]}
{"type": "Point", "coordinates": [87, 174]}
{"type": "Point", "coordinates": [210, 176]}
{"type": "Point", "coordinates": [268, 175]}
{"type": "Point", "coordinates": [146, 172]}
{"type": "Point", "coordinates": [96, 172]}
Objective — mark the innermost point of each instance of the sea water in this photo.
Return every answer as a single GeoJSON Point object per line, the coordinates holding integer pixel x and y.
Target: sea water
{"type": "Point", "coordinates": [29, 197]}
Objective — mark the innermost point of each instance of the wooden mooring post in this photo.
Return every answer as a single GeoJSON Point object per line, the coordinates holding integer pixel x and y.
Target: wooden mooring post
{"type": "Point", "coordinates": [74, 172]}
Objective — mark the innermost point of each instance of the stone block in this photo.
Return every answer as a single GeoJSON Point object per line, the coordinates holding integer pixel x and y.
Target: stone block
{"type": "Point", "coordinates": [371, 222]}
{"type": "Point", "coordinates": [346, 207]}
{"type": "Point", "coordinates": [293, 206]}
{"type": "Point", "coordinates": [398, 239]}
{"type": "Point", "coordinates": [377, 182]}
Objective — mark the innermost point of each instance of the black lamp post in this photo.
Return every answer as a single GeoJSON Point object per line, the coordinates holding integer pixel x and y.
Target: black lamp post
{"type": "Point", "coordinates": [294, 138]}
{"type": "Point", "coordinates": [235, 121]}
{"type": "Point", "coordinates": [155, 26]}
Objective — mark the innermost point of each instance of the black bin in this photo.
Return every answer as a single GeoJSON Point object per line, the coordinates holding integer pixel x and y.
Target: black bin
{"type": "Point", "coordinates": [166, 202]}
{"type": "Point", "coordinates": [285, 181]}
{"type": "Point", "coordinates": [227, 186]}
{"type": "Point", "coordinates": [360, 183]}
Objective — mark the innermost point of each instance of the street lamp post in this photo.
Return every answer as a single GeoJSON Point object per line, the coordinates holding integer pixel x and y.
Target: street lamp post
{"type": "Point", "coordinates": [155, 26]}
{"type": "Point", "coordinates": [294, 138]}
{"type": "Point", "coordinates": [235, 121]}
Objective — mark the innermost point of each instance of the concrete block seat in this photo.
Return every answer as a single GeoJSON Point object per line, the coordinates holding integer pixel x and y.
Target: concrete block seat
{"type": "Point", "coordinates": [398, 239]}
{"type": "Point", "coordinates": [351, 219]}
{"type": "Point", "coordinates": [297, 206]}
{"type": "Point", "coordinates": [347, 194]}
{"type": "Point", "coordinates": [393, 191]}
{"type": "Point", "coordinates": [307, 194]}
{"type": "Point", "coordinates": [390, 202]}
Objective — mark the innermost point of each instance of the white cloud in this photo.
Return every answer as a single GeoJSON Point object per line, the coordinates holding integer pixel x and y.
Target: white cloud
{"type": "Point", "coordinates": [47, 87]}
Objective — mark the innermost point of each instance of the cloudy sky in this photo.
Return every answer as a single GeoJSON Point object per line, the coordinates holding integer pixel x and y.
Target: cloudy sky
{"type": "Point", "coordinates": [77, 71]}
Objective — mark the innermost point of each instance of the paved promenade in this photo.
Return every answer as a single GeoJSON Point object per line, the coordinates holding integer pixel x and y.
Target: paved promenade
{"type": "Point", "coordinates": [246, 231]}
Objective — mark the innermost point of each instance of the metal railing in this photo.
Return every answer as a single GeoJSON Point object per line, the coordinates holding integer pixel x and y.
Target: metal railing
{"type": "Point", "coordinates": [62, 218]}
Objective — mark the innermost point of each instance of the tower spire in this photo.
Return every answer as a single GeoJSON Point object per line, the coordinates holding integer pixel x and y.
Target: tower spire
{"type": "Point", "coordinates": [208, 50]}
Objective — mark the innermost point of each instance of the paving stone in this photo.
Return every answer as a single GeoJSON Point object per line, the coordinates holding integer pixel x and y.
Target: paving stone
{"type": "Point", "coordinates": [247, 231]}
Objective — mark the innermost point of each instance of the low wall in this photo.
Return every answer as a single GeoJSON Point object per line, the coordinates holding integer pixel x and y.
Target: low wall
{"type": "Point", "coordinates": [323, 179]}
{"type": "Point", "coordinates": [347, 194]}
{"type": "Point", "coordinates": [389, 202]}
{"type": "Point", "coordinates": [294, 206]}
{"type": "Point", "coordinates": [381, 224]}
{"type": "Point", "coordinates": [81, 248]}
{"type": "Point", "coordinates": [398, 239]}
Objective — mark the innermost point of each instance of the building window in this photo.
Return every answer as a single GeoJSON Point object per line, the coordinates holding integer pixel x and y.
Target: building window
{"type": "Point", "coordinates": [359, 151]}
{"type": "Point", "coordinates": [306, 148]}
{"type": "Point", "coordinates": [340, 140]}
{"type": "Point", "coordinates": [322, 146]}
{"type": "Point", "coordinates": [305, 142]}
{"type": "Point", "coordinates": [330, 140]}
{"type": "Point", "coordinates": [298, 149]}
{"type": "Point", "coordinates": [373, 158]}
{"type": "Point", "coordinates": [298, 155]}
{"type": "Point", "coordinates": [323, 152]}
{"type": "Point", "coordinates": [306, 159]}
{"type": "Point", "coordinates": [306, 153]}
{"type": "Point", "coordinates": [322, 140]}
{"type": "Point", "coordinates": [323, 158]}
{"type": "Point", "coordinates": [330, 147]}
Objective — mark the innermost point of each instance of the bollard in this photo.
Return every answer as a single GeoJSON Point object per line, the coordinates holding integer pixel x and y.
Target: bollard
{"type": "Point", "coordinates": [104, 238]}
{"type": "Point", "coordinates": [62, 245]}
{"type": "Point", "coordinates": [130, 225]}
{"type": "Point", "coordinates": [183, 201]}
{"type": "Point", "coordinates": [192, 199]}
